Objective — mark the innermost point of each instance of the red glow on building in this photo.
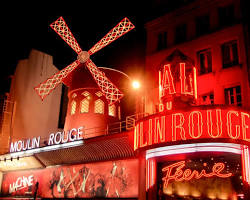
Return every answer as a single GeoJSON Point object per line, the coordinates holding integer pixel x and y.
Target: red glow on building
{"type": "Point", "coordinates": [214, 123]}
{"type": "Point", "coordinates": [150, 173]}
{"type": "Point", "coordinates": [246, 164]}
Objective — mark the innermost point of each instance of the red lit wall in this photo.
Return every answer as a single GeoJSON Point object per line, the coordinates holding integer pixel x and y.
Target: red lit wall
{"type": "Point", "coordinates": [220, 78]}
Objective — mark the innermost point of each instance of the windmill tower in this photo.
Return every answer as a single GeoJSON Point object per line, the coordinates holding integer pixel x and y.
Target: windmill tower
{"type": "Point", "coordinates": [93, 102]}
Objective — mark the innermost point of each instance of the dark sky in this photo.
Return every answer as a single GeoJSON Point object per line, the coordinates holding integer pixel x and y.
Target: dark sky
{"type": "Point", "coordinates": [26, 26]}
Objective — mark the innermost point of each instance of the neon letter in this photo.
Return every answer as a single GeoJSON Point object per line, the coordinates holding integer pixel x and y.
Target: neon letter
{"type": "Point", "coordinates": [244, 126]}
{"type": "Point", "coordinates": [229, 125]}
{"type": "Point", "coordinates": [150, 135]}
{"type": "Point", "coordinates": [180, 126]}
{"type": "Point", "coordinates": [218, 123]}
{"type": "Point", "coordinates": [167, 81]}
{"type": "Point", "coordinates": [142, 143]}
{"type": "Point", "coordinates": [159, 130]}
{"type": "Point", "coordinates": [183, 80]}
{"type": "Point", "coordinates": [136, 137]}
{"type": "Point", "coordinates": [199, 124]}
{"type": "Point", "coordinates": [51, 138]}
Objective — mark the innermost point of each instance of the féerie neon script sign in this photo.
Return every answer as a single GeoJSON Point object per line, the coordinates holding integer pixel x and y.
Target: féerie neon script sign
{"type": "Point", "coordinates": [188, 174]}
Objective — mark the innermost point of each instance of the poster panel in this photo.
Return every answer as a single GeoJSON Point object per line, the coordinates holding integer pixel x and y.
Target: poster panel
{"type": "Point", "coordinates": [103, 179]}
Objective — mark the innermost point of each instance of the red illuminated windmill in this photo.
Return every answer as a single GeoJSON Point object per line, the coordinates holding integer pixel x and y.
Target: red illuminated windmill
{"type": "Point", "coordinates": [109, 90]}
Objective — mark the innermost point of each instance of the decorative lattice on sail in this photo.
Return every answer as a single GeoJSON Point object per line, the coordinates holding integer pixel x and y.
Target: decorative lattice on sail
{"type": "Point", "coordinates": [120, 29]}
{"type": "Point", "coordinates": [110, 91]}
{"type": "Point", "coordinates": [46, 87]}
{"type": "Point", "coordinates": [61, 28]}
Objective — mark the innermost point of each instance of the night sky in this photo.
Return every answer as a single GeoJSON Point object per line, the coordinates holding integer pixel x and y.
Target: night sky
{"type": "Point", "coordinates": [26, 27]}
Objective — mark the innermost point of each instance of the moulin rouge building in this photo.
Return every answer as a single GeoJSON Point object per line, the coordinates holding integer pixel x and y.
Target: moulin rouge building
{"type": "Point", "coordinates": [189, 138]}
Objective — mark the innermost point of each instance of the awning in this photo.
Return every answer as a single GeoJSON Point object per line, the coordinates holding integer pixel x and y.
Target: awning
{"type": "Point", "coordinates": [96, 149]}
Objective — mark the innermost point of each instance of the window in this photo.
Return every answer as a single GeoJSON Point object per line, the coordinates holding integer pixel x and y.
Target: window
{"type": "Point", "coordinates": [84, 106]}
{"type": "Point", "coordinates": [86, 93]}
{"type": "Point", "coordinates": [202, 25]}
{"type": "Point", "coordinates": [207, 99]}
{"type": "Point", "coordinates": [73, 108]}
{"type": "Point", "coordinates": [162, 41]}
{"type": "Point", "coordinates": [99, 106]}
{"type": "Point", "coordinates": [99, 93]}
{"type": "Point", "coordinates": [205, 61]}
{"type": "Point", "coordinates": [181, 33]}
{"type": "Point", "coordinates": [226, 15]}
{"type": "Point", "coordinates": [233, 96]}
{"type": "Point", "coordinates": [112, 110]}
{"type": "Point", "coordinates": [229, 54]}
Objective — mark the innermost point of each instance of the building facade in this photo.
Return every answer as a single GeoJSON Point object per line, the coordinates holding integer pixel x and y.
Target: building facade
{"type": "Point", "coordinates": [200, 50]}
{"type": "Point", "coordinates": [189, 137]}
{"type": "Point", "coordinates": [213, 35]}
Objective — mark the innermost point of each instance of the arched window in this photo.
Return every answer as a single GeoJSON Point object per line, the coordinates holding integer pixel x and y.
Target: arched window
{"type": "Point", "coordinates": [112, 110]}
{"type": "Point", "coordinates": [84, 106]}
{"type": "Point", "coordinates": [99, 106]}
{"type": "Point", "coordinates": [86, 93]}
{"type": "Point", "coordinates": [99, 94]}
{"type": "Point", "coordinates": [73, 108]}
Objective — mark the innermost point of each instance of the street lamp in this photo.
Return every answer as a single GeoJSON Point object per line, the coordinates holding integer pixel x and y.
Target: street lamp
{"type": "Point", "coordinates": [137, 94]}
{"type": "Point", "coordinates": [134, 83]}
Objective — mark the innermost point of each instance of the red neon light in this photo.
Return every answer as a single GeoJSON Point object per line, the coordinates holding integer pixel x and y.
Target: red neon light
{"type": "Point", "coordinates": [199, 124]}
{"type": "Point", "coordinates": [161, 107]}
{"type": "Point", "coordinates": [150, 132]}
{"type": "Point", "coordinates": [160, 87]}
{"type": "Point", "coordinates": [159, 133]}
{"type": "Point", "coordinates": [147, 174]}
{"type": "Point", "coordinates": [244, 125]}
{"type": "Point", "coordinates": [186, 85]}
{"type": "Point", "coordinates": [229, 124]}
{"type": "Point", "coordinates": [167, 81]}
{"type": "Point", "coordinates": [195, 83]}
{"type": "Point", "coordinates": [142, 142]}
{"type": "Point", "coordinates": [245, 157]}
{"type": "Point", "coordinates": [179, 126]}
{"type": "Point", "coordinates": [136, 137]}
{"type": "Point", "coordinates": [169, 105]}
{"type": "Point", "coordinates": [218, 123]}
{"type": "Point", "coordinates": [150, 173]}
{"type": "Point", "coordinates": [183, 81]}
{"type": "Point", "coordinates": [188, 174]}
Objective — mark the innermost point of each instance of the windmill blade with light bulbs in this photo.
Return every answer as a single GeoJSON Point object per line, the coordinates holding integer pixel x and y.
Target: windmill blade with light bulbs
{"type": "Point", "coordinates": [109, 90]}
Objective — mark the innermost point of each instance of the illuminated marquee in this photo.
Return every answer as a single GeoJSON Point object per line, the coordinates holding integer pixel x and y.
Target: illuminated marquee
{"type": "Point", "coordinates": [211, 123]}
{"type": "Point", "coordinates": [60, 137]}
